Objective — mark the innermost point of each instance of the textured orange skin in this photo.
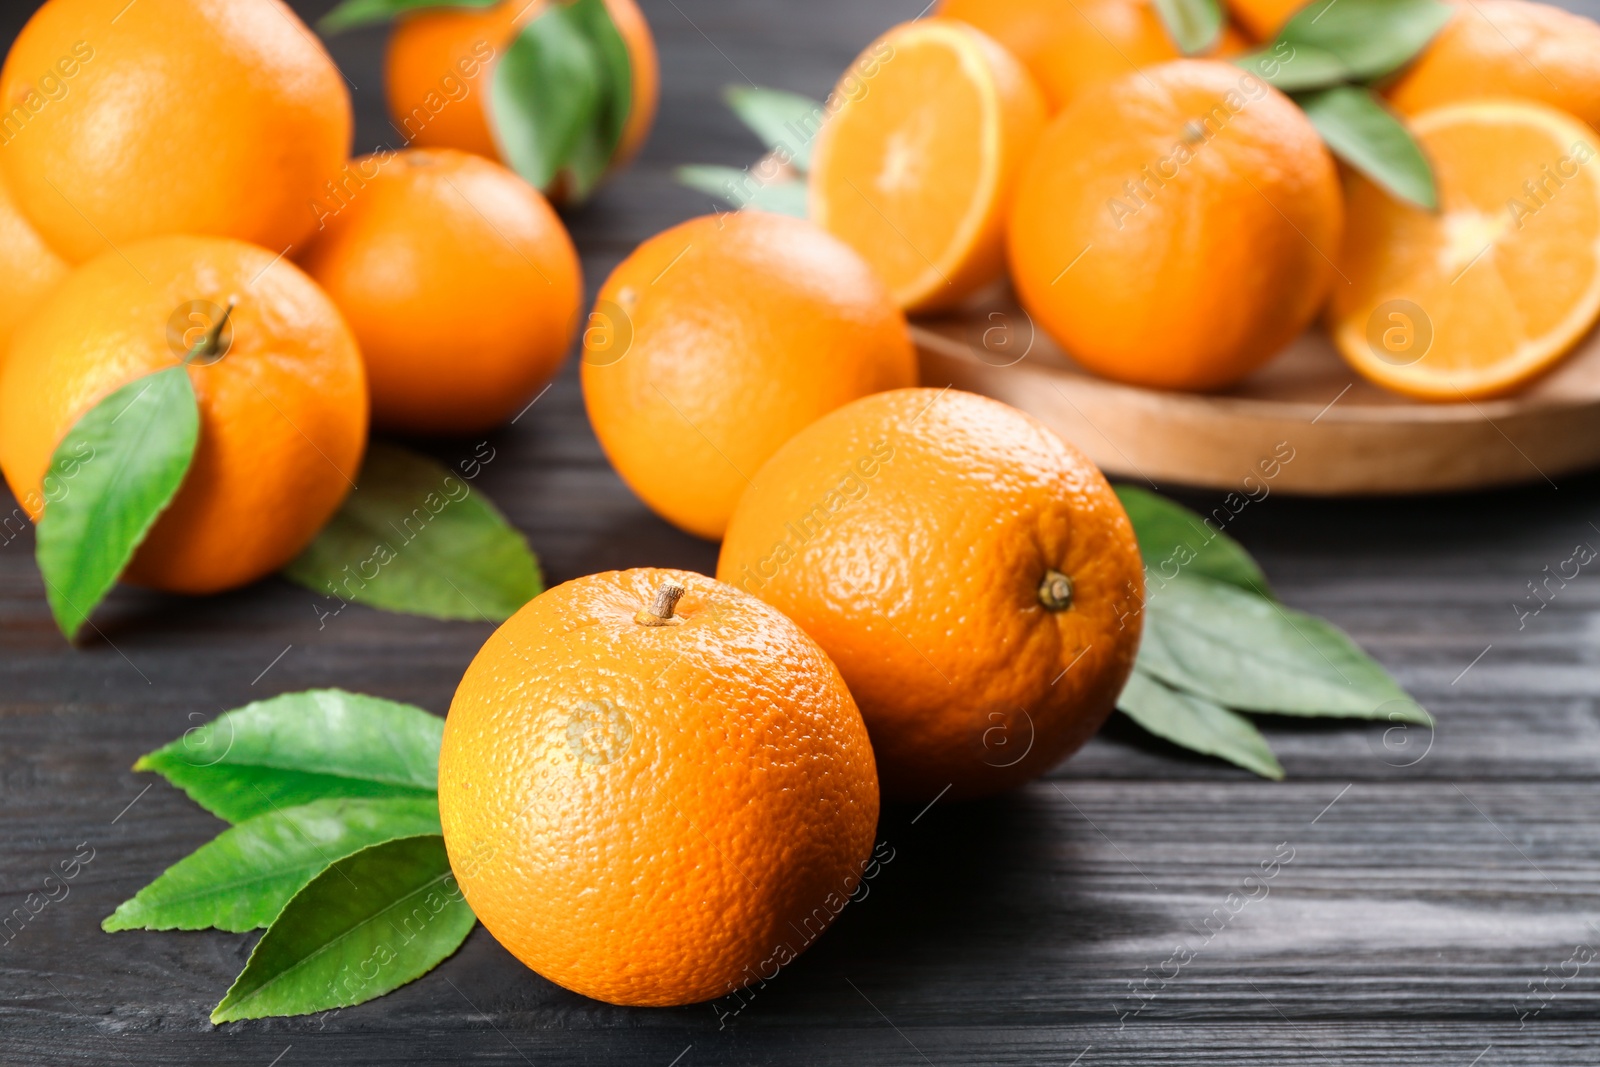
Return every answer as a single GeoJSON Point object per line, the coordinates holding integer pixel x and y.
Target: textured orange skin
{"type": "Point", "coordinates": [446, 58]}
{"type": "Point", "coordinates": [283, 415]}
{"type": "Point", "coordinates": [1508, 48]}
{"type": "Point", "coordinates": [460, 283]}
{"type": "Point", "coordinates": [745, 328]}
{"type": "Point", "coordinates": [923, 588]}
{"type": "Point", "coordinates": [1197, 281]}
{"type": "Point", "coordinates": [840, 171]}
{"type": "Point", "coordinates": [676, 867]}
{"type": "Point", "coordinates": [219, 117]}
{"type": "Point", "coordinates": [29, 269]}
{"type": "Point", "coordinates": [1069, 47]}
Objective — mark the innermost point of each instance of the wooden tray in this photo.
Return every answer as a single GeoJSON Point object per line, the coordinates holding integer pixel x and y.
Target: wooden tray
{"type": "Point", "coordinates": [1346, 436]}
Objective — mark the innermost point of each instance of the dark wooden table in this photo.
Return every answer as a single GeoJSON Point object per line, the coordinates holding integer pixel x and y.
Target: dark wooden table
{"type": "Point", "coordinates": [1433, 901]}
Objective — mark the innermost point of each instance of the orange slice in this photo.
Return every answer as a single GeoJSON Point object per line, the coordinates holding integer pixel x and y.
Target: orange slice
{"type": "Point", "coordinates": [1496, 287]}
{"type": "Point", "coordinates": [915, 168]}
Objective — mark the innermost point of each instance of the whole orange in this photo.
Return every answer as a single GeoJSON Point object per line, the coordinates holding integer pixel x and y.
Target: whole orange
{"type": "Point", "coordinates": [1069, 47]}
{"type": "Point", "coordinates": [123, 121]}
{"type": "Point", "coordinates": [441, 63]}
{"type": "Point", "coordinates": [974, 577]}
{"type": "Point", "coordinates": [651, 801]}
{"type": "Point", "coordinates": [1507, 48]}
{"type": "Point", "coordinates": [719, 339]}
{"type": "Point", "coordinates": [28, 268]}
{"type": "Point", "coordinates": [459, 281]}
{"type": "Point", "coordinates": [1177, 227]}
{"type": "Point", "coordinates": [283, 412]}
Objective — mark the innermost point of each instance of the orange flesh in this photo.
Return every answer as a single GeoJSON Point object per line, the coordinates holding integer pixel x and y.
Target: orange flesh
{"type": "Point", "coordinates": [915, 170]}
{"type": "Point", "coordinates": [1506, 275]}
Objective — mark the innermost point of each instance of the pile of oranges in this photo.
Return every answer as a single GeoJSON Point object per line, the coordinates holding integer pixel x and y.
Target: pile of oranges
{"type": "Point", "coordinates": [944, 569]}
{"type": "Point", "coordinates": [1174, 222]}
{"type": "Point", "coordinates": [174, 168]}
{"type": "Point", "coordinates": [653, 784]}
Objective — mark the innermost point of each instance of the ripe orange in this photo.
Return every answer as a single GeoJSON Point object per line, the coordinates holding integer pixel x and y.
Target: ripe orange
{"type": "Point", "coordinates": [441, 63]}
{"type": "Point", "coordinates": [1176, 228]}
{"type": "Point", "coordinates": [915, 171]}
{"type": "Point", "coordinates": [28, 268]}
{"type": "Point", "coordinates": [973, 576]}
{"type": "Point", "coordinates": [1070, 46]}
{"type": "Point", "coordinates": [123, 121]}
{"type": "Point", "coordinates": [1497, 286]}
{"type": "Point", "coordinates": [1508, 48]}
{"type": "Point", "coordinates": [283, 414]}
{"type": "Point", "coordinates": [655, 810]}
{"type": "Point", "coordinates": [718, 340]}
{"type": "Point", "coordinates": [1262, 19]}
{"type": "Point", "coordinates": [459, 281]}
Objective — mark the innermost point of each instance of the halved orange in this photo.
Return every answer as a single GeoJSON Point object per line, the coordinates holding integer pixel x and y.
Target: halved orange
{"type": "Point", "coordinates": [1493, 289]}
{"type": "Point", "coordinates": [915, 168]}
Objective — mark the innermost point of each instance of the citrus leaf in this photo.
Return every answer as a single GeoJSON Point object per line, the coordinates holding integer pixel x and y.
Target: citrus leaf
{"type": "Point", "coordinates": [562, 96]}
{"type": "Point", "coordinates": [1193, 25]}
{"type": "Point", "coordinates": [367, 925]}
{"type": "Point", "coordinates": [117, 468]}
{"type": "Point", "coordinates": [1364, 133]}
{"type": "Point", "coordinates": [739, 189]}
{"type": "Point", "coordinates": [786, 122]}
{"type": "Point", "coordinates": [1330, 41]}
{"type": "Point", "coordinates": [598, 142]}
{"type": "Point", "coordinates": [301, 747]}
{"type": "Point", "coordinates": [414, 537]}
{"type": "Point", "coordinates": [1174, 540]}
{"type": "Point", "coordinates": [545, 95]}
{"type": "Point", "coordinates": [1293, 67]}
{"type": "Point", "coordinates": [1250, 654]}
{"type": "Point", "coordinates": [1197, 724]}
{"type": "Point", "coordinates": [244, 876]}
{"type": "Point", "coordinates": [355, 13]}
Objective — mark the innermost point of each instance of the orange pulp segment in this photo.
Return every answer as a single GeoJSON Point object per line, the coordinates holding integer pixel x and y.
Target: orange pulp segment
{"type": "Point", "coordinates": [916, 167]}
{"type": "Point", "coordinates": [1493, 289]}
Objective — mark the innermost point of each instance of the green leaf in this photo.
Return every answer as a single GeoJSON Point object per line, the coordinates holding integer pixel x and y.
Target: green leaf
{"type": "Point", "coordinates": [369, 924]}
{"type": "Point", "coordinates": [354, 13]}
{"type": "Point", "coordinates": [787, 123]}
{"type": "Point", "coordinates": [118, 468]}
{"type": "Point", "coordinates": [415, 538]}
{"type": "Point", "coordinates": [301, 747]}
{"type": "Point", "coordinates": [1174, 540]}
{"type": "Point", "coordinates": [545, 96]}
{"type": "Point", "coordinates": [1193, 25]}
{"type": "Point", "coordinates": [1331, 41]}
{"type": "Point", "coordinates": [562, 94]}
{"type": "Point", "coordinates": [1292, 67]}
{"type": "Point", "coordinates": [1248, 653]}
{"type": "Point", "coordinates": [1360, 130]}
{"type": "Point", "coordinates": [598, 143]}
{"type": "Point", "coordinates": [1197, 724]}
{"type": "Point", "coordinates": [241, 879]}
{"type": "Point", "coordinates": [739, 189]}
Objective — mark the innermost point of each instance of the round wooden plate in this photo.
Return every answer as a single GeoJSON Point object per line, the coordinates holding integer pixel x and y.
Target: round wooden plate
{"type": "Point", "coordinates": [1320, 427]}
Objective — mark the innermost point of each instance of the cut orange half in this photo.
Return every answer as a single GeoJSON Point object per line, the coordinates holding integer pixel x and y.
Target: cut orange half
{"type": "Point", "coordinates": [1493, 289]}
{"type": "Point", "coordinates": [914, 170]}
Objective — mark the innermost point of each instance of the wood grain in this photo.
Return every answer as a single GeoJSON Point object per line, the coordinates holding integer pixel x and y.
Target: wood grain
{"type": "Point", "coordinates": [1406, 929]}
{"type": "Point", "coordinates": [1344, 434]}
